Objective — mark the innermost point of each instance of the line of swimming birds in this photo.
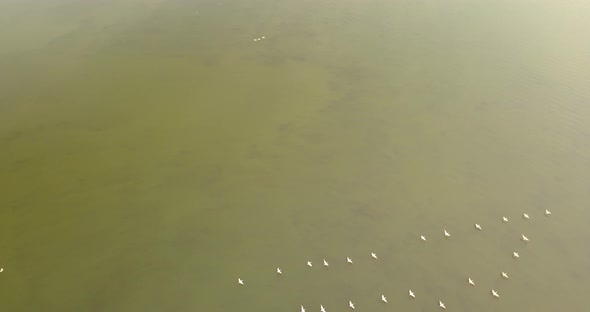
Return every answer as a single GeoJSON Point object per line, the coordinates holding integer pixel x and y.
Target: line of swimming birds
{"type": "Point", "coordinates": [410, 292]}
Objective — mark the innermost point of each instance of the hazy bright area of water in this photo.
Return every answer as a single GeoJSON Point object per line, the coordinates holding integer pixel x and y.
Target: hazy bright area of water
{"type": "Point", "coordinates": [152, 153]}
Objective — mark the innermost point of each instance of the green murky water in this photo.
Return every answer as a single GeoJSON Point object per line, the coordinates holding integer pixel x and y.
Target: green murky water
{"type": "Point", "coordinates": [151, 152]}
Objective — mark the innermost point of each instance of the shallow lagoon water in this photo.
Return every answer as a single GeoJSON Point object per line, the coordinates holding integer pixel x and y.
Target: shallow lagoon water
{"type": "Point", "coordinates": [151, 153]}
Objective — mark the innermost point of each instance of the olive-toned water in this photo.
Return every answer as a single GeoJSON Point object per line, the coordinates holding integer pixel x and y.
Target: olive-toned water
{"type": "Point", "coordinates": [151, 152]}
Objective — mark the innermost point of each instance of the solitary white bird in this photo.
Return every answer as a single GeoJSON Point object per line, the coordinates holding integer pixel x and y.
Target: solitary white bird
{"type": "Point", "coordinates": [1, 270]}
{"type": "Point", "coordinates": [373, 255]}
{"type": "Point", "coordinates": [504, 275]}
{"type": "Point", "coordinates": [441, 305]}
{"type": "Point", "coordinates": [309, 263]}
{"type": "Point", "coordinates": [524, 238]}
{"type": "Point", "coordinates": [504, 219]}
{"type": "Point", "coordinates": [524, 215]}
{"type": "Point", "coordinates": [351, 305]}
{"type": "Point", "coordinates": [547, 212]}
{"type": "Point", "coordinates": [383, 298]}
{"type": "Point", "coordinates": [447, 234]}
{"type": "Point", "coordinates": [411, 294]}
{"type": "Point", "coordinates": [422, 237]}
{"type": "Point", "coordinates": [302, 308]}
{"type": "Point", "coordinates": [495, 294]}
{"type": "Point", "coordinates": [477, 226]}
{"type": "Point", "coordinates": [240, 281]}
{"type": "Point", "coordinates": [348, 260]}
{"type": "Point", "coordinates": [326, 263]}
{"type": "Point", "coordinates": [279, 271]}
{"type": "Point", "coordinates": [515, 255]}
{"type": "Point", "coordinates": [322, 308]}
{"type": "Point", "coordinates": [470, 281]}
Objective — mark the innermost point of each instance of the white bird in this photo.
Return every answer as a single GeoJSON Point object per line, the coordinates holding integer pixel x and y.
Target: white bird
{"type": "Point", "coordinates": [255, 39]}
{"type": "Point", "coordinates": [524, 238]}
{"type": "Point", "coordinates": [383, 298]}
{"type": "Point", "coordinates": [422, 237]}
{"type": "Point", "coordinates": [302, 308]}
{"type": "Point", "coordinates": [279, 271]}
{"type": "Point", "coordinates": [326, 263]}
{"type": "Point", "coordinates": [263, 37]}
{"type": "Point", "coordinates": [1, 270]}
{"type": "Point", "coordinates": [495, 294]}
{"type": "Point", "coordinates": [348, 260]}
{"type": "Point", "coordinates": [515, 255]}
{"type": "Point", "coordinates": [547, 212]}
{"type": "Point", "coordinates": [477, 226]}
{"type": "Point", "coordinates": [411, 294]}
{"type": "Point", "coordinates": [441, 305]}
{"type": "Point", "coordinates": [524, 215]}
{"type": "Point", "coordinates": [351, 305]}
{"type": "Point", "coordinates": [504, 275]}
{"type": "Point", "coordinates": [373, 255]}
{"type": "Point", "coordinates": [240, 281]}
{"type": "Point", "coordinates": [309, 263]}
{"type": "Point", "coordinates": [322, 308]}
{"type": "Point", "coordinates": [447, 234]}
{"type": "Point", "coordinates": [504, 219]}
{"type": "Point", "coordinates": [470, 281]}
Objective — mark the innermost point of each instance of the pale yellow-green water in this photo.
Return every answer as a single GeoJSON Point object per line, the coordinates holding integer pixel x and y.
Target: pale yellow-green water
{"type": "Point", "coordinates": [151, 152]}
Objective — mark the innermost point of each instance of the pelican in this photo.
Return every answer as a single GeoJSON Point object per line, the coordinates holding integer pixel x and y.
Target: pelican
{"type": "Point", "coordinates": [504, 275]}
{"type": "Point", "coordinates": [309, 263]}
{"type": "Point", "coordinates": [504, 219]}
{"type": "Point", "coordinates": [447, 234]}
{"type": "Point", "coordinates": [1, 270]}
{"type": "Point", "coordinates": [422, 237]}
{"type": "Point", "coordinates": [279, 271]}
{"type": "Point", "coordinates": [526, 216]}
{"type": "Point", "coordinates": [373, 255]}
{"type": "Point", "coordinates": [255, 39]}
{"type": "Point", "coordinates": [348, 260]}
{"type": "Point", "coordinates": [495, 294]}
{"type": "Point", "coordinates": [326, 263]}
{"type": "Point", "coordinates": [470, 281]}
{"type": "Point", "coordinates": [525, 239]}
{"type": "Point", "coordinates": [240, 281]}
{"type": "Point", "coordinates": [263, 37]}
{"type": "Point", "coordinates": [322, 308]}
{"type": "Point", "coordinates": [383, 298]}
{"type": "Point", "coordinates": [515, 255]}
{"type": "Point", "coordinates": [351, 305]}
{"type": "Point", "coordinates": [441, 305]}
{"type": "Point", "coordinates": [547, 212]}
{"type": "Point", "coordinates": [477, 226]}
{"type": "Point", "coordinates": [411, 293]}
{"type": "Point", "coordinates": [302, 308]}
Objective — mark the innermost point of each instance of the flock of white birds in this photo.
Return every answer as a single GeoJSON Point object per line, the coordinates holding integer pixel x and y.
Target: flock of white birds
{"type": "Point", "coordinates": [411, 294]}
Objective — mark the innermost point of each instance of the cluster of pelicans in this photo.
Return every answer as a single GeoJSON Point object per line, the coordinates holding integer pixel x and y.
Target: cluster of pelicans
{"type": "Point", "coordinates": [411, 294]}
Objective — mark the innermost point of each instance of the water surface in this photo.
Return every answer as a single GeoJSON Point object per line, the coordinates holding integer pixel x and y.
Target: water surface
{"type": "Point", "coordinates": [151, 152]}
